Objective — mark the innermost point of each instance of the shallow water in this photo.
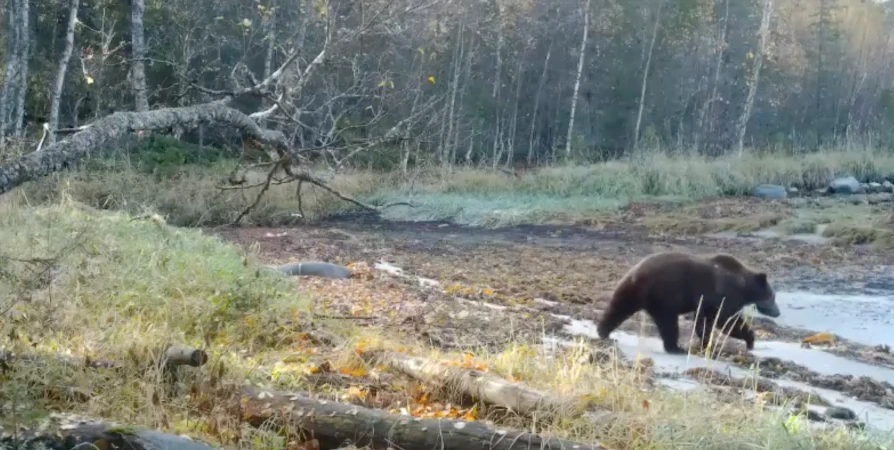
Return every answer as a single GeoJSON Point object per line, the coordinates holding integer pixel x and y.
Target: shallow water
{"type": "Point", "coordinates": [867, 319]}
{"type": "Point", "coordinates": [633, 346]}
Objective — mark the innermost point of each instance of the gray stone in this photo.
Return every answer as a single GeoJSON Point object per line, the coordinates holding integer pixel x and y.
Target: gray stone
{"type": "Point", "coordinates": [793, 190]}
{"type": "Point", "coordinates": [770, 191]}
{"type": "Point", "coordinates": [888, 186]}
{"type": "Point", "coordinates": [314, 268]}
{"type": "Point", "coordinates": [875, 187]}
{"type": "Point", "coordinates": [840, 413]}
{"type": "Point", "coordinates": [845, 185]}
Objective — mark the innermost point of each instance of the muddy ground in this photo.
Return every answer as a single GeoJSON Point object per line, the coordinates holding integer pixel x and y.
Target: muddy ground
{"type": "Point", "coordinates": [465, 287]}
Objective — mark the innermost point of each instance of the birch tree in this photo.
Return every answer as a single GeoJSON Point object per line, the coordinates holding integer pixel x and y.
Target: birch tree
{"type": "Point", "coordinates": [56, 99]}
{"type": "Point", "coordinates": [755, 76]}
{"type": "Point", "coordinates": [138, 53]}
{"type": "Point", "coordinates": [642, 94]}
{"type": "Point", "coordinates": [580, 70]}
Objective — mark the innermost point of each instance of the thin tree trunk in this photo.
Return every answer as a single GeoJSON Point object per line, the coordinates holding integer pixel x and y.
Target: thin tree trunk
{"type": "Point", "coordinates": [25, 48]}
{"type": "Point", "coordinates": [60, 72]}
{"type": "Point", "coordinates": [549, 52]}
{"type": "Point", "coordinates": [512, 131]}
{"type": "Point", "coordinates": [708, 108]}
{"type": "Point", "coordinates": [755, 79]}
{"type": "Point", "coordinates": [446, 151]}
{"type": "Point", "coordinates": [642, 93]}
{"type": "Point", "coordinates": [138, 53]}
{"type": "Point", "coordinates": [580, 69]}
{"type": "Point", "coordinates": [12, 62]}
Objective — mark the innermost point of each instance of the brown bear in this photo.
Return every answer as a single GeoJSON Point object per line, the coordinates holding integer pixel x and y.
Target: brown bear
{"type": "Point", "coordinates": [669, 284]}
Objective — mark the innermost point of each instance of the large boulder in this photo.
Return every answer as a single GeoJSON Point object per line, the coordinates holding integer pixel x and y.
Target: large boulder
{"type": "Point", "coordinates": [845, 185]}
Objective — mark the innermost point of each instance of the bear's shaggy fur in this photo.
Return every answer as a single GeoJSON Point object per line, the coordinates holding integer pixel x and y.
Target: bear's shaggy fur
{"type": "Point", "coordinates": [669, 284]}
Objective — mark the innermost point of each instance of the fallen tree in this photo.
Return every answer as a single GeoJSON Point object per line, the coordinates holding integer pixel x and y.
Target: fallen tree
{"type": "Point", "coordinates": [336, 425]}
{"type": "Point", "coordinates": [479, 385]}
{"type": "Point", "coordinates": [67, 432]}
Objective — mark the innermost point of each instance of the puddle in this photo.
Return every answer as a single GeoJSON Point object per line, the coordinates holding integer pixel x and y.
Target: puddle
{"type": "Point", "coordinates": [815, 238]}
{"type": "Point", "coordinates": [633, 346]}
{"type": "Point", "coordinates": [820, 361]}
{"type": "Point", "coordinates": [861, 318]}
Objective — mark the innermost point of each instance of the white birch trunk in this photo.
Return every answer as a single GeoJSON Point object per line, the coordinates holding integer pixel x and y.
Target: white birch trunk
{"type": "Point", "coordinates": [60, 72]}
{"type": "Point", "coordinates": [642, 93]}
{"type": "Point", "coordinates": [580, 69]}
{"type": "Point", "coordinates": [755, 78]}
{"type": "Point", "coordinates": [138, 53]}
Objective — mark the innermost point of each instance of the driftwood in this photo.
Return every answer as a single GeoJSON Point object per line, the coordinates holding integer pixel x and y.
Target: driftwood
{"type": "Point", "coordinates": [63, 432]}
{"type": "Point", "coordinates": [479, 385]}
{"type": "Point", "coordinates": [314, 268]}
{"type": "Point", "coordinates": [336, 425]}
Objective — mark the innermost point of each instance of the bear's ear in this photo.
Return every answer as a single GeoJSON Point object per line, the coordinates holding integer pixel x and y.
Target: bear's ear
{"type": "Point", "coordinates": [761, 279]}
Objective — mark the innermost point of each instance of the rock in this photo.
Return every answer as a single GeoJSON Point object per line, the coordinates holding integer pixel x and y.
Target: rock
{"type": "Point", "coordinates": [875, 187]}
{"type": "Point", "coordinates": [888, 186]}
{"type": "Point", "coordinates": [793, 190]}
{"type": "Point", "coordinates": [840, 413]}
{"type": "Point", "coordinates": [770, 191]}
{"type": "Point", "coordinates": [314, 268]}
{"type": "Point", "coordinates": [811, 415]}
{"type": "Point", "coordinates": [864, 187]}
{"type": "Point", "coordinates": [845, 185]}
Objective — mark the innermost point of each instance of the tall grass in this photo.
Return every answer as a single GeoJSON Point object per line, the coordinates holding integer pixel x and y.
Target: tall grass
{"type": "Point", "coordinates": [189, 196]}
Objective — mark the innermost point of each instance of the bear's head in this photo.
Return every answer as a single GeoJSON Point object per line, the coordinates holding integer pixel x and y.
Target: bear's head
{"type": "Point", "coordinates": [759, 292]}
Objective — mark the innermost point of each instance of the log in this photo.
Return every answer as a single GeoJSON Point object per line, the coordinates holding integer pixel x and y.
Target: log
{"type": "Point", "coordinates": [336, 425]}
{"type": "Point", "coordinates": [314, 268]}
{"type": "Point", "coordinates": [185, 356]}
{"type": "Point", "coordinates": [66, 432]}
{"type": "Point", "coordinates": [479, 385]}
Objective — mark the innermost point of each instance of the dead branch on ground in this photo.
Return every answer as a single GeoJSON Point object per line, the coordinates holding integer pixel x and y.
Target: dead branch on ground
{"type": "Point", "coordinates": [336, 424]}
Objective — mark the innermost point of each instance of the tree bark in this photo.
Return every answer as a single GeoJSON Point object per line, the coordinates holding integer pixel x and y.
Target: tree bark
{"type": "Point", "coordinates": [138, 53]}
{"type": "Point", "coordinates": [755, 79]}
{"type": "Point", "coordinates": [642, 93]}
{"type": "Point", "coordinates": [580, 69]}
{"type": "Point", "coordinates": [60, 72]}
{"type": "Point", "coordinates": [67, 153]}
{"type": "Point", "coordinates": [333, 424]}
{"type": "Point", "coordinates": [66, 432]}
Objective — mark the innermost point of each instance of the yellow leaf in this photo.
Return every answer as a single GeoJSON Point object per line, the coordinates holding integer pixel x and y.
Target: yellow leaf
{"type": "Point", "coordinates": [382, 83]}
{"type": "Point", "coordinates": [89, 79]}
{"type": "Point", "coordinates": [391, 83]}
{"type": "Point", "coordinates": [421, 50]}
{"type": "Point", "coordinates": [431, 79]}
{"type": "Point", "coordinates": [819, 338]}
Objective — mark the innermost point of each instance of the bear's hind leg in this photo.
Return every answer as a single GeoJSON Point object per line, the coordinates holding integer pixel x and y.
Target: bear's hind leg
{"type": "Point", "coordinates": [703, 324]}
{"type": "Point", "coordinates": [669, 330]}
{"type": "Point", "coordinates": [740, 330]}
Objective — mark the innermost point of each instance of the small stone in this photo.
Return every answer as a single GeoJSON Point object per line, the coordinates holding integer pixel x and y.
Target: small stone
{"type": "Point", "coordinates": [840, 413]}
{"type": "Point", "coordinates": [770, 191]}
{"type": "Point", "coordinates": [888, 186]}
{"type": "Point", "coordinates": [864, 187]}
{"type": "Point", "coordinates": [845, 185]}
{"type": "Point", "coordinates": [875, 187]}
{"type": "Point", "coordinates": [793, 190]}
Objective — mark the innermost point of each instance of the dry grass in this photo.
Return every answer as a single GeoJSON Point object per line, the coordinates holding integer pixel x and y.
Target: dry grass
{"type": "Point", "coordinates": [117, 288]}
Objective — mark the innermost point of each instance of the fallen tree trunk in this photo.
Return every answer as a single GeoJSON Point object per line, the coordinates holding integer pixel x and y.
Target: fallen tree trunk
{"type": "Point", "coordinates": [70, 432]}
{"type": "Point", "coordinates": [174, 356]}
{"type": "Point", "coordinates": [67, 153]}
{"type": "Point", "coordinates": [335, 425]}
{"type": "Point", "coordinates": [479, 385]}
